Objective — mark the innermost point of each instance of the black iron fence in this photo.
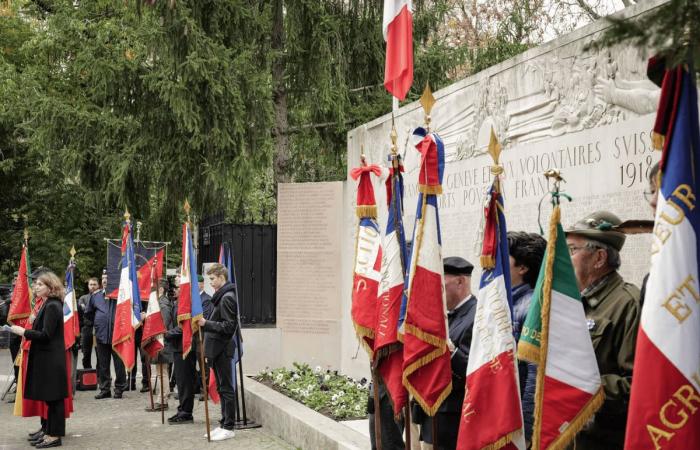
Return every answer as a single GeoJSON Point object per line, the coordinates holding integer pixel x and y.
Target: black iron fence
{"type": "Point", "coordinates": [254, 249]}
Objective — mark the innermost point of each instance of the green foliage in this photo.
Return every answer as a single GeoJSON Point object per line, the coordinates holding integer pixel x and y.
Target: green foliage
{"type": "Point", "coordinates": [671, 30]}
{"type": "Point", "coordinates": [110, 105]}
{"type": "Point", "coordinates": [336, 396]}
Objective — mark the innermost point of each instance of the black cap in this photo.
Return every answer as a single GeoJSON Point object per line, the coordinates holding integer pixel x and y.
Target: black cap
{"type": "Point", "coordinates": [38, 271]}
{"type": "Point", "coordinates": [454, 265]}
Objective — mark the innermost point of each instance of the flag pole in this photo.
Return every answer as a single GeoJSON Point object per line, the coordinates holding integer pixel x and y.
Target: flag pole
{"type": "Point", "coordinates": [204, 385]}
{"type": "Point", "coordinates": [395, 174]}
{"type": "Point", "coordinates": [162, 395]}
{"type": "Point", "coordinates": [201, 352]}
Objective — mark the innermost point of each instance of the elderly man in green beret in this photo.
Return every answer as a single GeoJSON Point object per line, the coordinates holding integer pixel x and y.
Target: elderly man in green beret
{"type": "Point", "coordinates": [612, 313]}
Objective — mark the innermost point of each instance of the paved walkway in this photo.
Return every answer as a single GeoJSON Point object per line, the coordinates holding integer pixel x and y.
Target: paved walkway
{"type": "Point", "coordinates": [124, 424]}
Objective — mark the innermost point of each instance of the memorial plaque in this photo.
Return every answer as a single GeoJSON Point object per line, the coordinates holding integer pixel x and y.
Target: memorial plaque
{"type": "Point", "coordinates": [588, 113]}
{"type": "Point", "coordinates": [309, 224]}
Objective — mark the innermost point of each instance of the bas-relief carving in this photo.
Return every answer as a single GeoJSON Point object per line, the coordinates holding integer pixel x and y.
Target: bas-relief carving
{"type": "Point", "coordinates": [549, 96]}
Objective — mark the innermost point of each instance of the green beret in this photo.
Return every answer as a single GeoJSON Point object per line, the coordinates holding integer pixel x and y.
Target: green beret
{"type": "Point", "coordinates": [200, 278]}
{"type": "Point", "coordinates": [600, 226]}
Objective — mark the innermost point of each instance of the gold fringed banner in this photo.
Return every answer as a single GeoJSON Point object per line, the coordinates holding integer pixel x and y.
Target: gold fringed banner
{"type": "Point", "coordinates": [367, 211]}
{"type": "Point", "coordinates": [430, 190]}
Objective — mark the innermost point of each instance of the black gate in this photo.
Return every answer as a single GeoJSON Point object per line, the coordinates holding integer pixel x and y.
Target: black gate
{"type": "Point", "coordinates": [254, 249]}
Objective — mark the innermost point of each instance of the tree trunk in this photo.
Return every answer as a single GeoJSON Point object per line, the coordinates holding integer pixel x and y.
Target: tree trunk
{"type": "Point", "coordinates": [279, 97]}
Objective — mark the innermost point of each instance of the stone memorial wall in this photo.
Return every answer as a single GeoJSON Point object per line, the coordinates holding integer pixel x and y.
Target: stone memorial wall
{"type": "Point", "coordinates": [309, 228]}
{"type": "Point", "coordinates": [588, 113]}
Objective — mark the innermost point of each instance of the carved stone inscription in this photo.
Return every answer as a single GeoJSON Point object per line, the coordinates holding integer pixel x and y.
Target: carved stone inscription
{"type": "Point", "coordinates": [309, 225]}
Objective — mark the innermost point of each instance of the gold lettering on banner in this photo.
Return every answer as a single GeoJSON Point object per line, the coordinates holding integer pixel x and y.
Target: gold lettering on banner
{"type": "Point", "coordinates": [679, 309]}
{"type": "Point", "coordinates": [662, 233]}
{"type": "Point", "coordinates": [467, 410]}
{"type": "Point", "coordinates": [685, 194]}
{"type": "Point", "coordinates": [666, 421]}
{"type": "Point", "coordinates": [686, 395]}
{"type": "Point", "coordinates": [686, 403]}
{"type": "Point", "coordinates": [656, 434]}
{"type": "Point", "coordinates": [360, 284]}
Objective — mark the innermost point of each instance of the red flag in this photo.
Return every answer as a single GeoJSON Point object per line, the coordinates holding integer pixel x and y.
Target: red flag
{"type": "Point", "coordinates": [398, 34]}
{"type": "Point", "coordinates": [146, 273]}
{"type": "Point", "coordinates": [213, 392]}
{"type": "Point", "coordinates": [71, 326]}
{"type": "Point", "coordinates": [368, 258]}
{"type": "Point", "coordinates": [21, 305]}
{"type": "Point", "coordinates": [153, 327]}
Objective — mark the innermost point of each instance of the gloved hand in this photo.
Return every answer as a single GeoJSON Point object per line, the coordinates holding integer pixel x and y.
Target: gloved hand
{"type": "Point", "coordinates": [16, 329]}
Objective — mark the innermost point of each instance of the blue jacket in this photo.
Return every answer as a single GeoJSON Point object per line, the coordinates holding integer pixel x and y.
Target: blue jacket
{"type": "Point", "coordinates": [101, 310]}
{"type": "Point", "coordinates": [522, 294]}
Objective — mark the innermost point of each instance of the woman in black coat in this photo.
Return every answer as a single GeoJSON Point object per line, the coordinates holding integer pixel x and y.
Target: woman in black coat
{"type": "Point", "coordinates": [46, 367]}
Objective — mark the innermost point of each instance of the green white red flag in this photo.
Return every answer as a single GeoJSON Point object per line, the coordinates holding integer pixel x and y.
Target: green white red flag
{"type": "Point", "coordinates": [555, 336]}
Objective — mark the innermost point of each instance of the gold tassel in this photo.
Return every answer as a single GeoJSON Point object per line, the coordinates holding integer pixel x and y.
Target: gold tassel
{"type": "Point", "coordinates": [430, 190]}
{"type": "Point", "coordinates": [657, 140]}
{"type": "Point", "coordinates": [367, 211]}
{"type": "Point", "coordinates": [487, 262]}
{"type": "Point", "coordinates": [564, 439]}
{"type": "Point", "coordinates": [528, 352]}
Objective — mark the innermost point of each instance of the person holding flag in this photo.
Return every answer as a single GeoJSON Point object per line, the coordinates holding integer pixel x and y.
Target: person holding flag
{"type": "Point", "coordinates": [219, 345]}
{"type": "Point", "coordinates": [46, 379]}
{"type": "Point", "coordinates": [664, 409]}
{"type": "Point", "coordinates": [127, 316]}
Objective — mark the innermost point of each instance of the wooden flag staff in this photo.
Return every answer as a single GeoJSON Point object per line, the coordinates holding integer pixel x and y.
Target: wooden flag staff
{"type": "Point", "coordinates": [201, 354]}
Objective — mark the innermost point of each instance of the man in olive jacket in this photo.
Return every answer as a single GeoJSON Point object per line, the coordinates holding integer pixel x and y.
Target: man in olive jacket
{"type": "Point", "coordinates": [612, 313]}
{"type": "Point", "coordinates": [219, 345]}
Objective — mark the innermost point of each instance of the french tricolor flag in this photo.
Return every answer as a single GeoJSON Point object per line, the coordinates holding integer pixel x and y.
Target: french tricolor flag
{"type": "Point", "coordinates": [398, 34]}
{"type": "Point", "coordinates": [664, 410]}
{"type": "Point", "coordinates": [128, 311]}
{"type": "Point", "coordinates": [71, 328]}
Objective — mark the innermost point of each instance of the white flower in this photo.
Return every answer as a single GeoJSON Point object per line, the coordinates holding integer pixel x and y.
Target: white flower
{"type": "Point", "coordinates": [358, 407]}
{"type": "Point", "coordinates": [326, 377]}
{"type": "Point", "coordinates": [359, 386]}
{"type": "Point", "coordinates": [279, 377]}
{"type": "Point", "coordinates": [317, 369]}
{"type": "Point", "coordinates": [295, 376]}
{"type": "Point", "coordinates": [334, 398]}
{"type": "Point", "coordinates": [341, 393]}
{"type": "Point", "coordinates": [283, 384]}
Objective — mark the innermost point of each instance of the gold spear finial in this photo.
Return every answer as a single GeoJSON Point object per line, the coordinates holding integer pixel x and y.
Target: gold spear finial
{"type": "Point", "coordinates": [72, 252]}
{"type": "Point", "coordinates": [394, 137]}
{"type": "Point", "coordinates": [127, 216]}
{"type": "Point", "coordinates": [26, 234]}
{"type": "Point", "coordinates": [187, 209]}
{"type": "Point", "coordinates": [138, 231]}
{"type": "Point", "coordinates": [495, 152]}
{"type": "Point", "coordinates": [427, 101]}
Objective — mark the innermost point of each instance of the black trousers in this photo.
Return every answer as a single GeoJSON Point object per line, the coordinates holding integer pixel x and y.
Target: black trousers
{"type": "Point", "coordinates": [86, 346]}
{"type": "Point", "coordinates": [447, 428]}
{"type": "Point", "coordinates": [104, 377]}
{"type": "Point", "coordinates": [223, 372]}
{"type": "Point", "coordinates": [15, 343]}
{"type": "Point", "coordinates": [185, 374]}
{"type": "Point", "coordinates": [56, 418]}
{"type": "Point", "coordinates": [137, 341]}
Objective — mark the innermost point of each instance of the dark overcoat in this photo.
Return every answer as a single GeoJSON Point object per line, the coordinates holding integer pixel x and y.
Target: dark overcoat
{"type": "Point", "coordinates": [46, 366]}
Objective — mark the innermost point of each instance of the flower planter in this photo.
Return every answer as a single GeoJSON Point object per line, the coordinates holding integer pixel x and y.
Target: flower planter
{"type": "Point", "coordinates": [297, 424]}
